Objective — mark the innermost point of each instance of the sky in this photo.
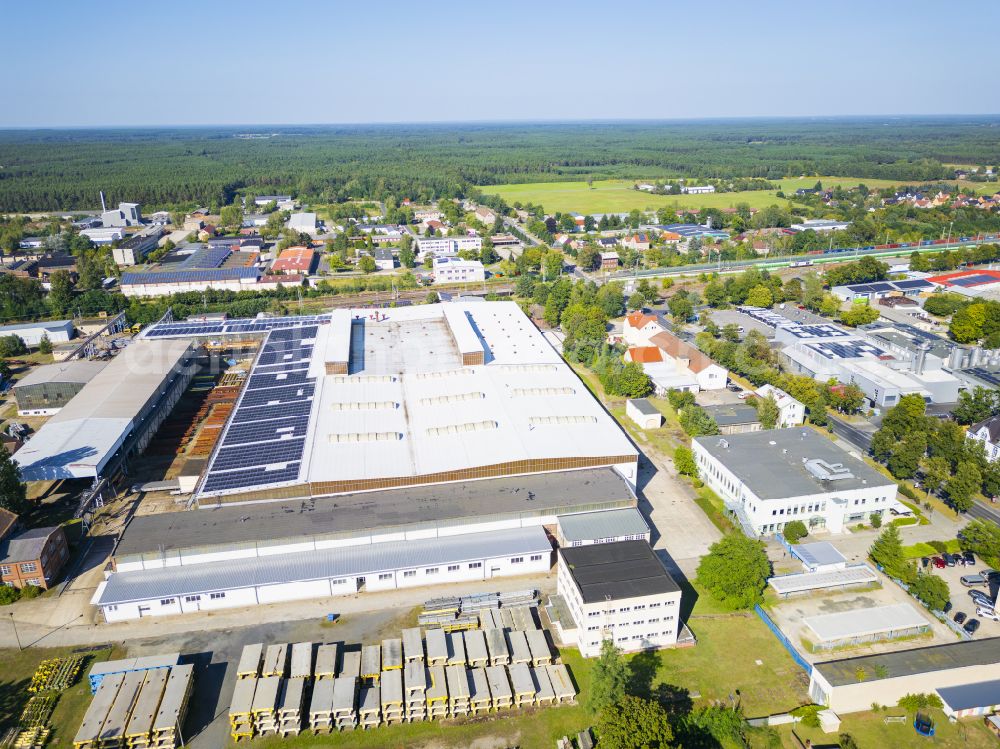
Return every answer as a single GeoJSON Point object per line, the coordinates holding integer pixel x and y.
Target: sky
{"type": "Point", "coordinates": [68, 63]}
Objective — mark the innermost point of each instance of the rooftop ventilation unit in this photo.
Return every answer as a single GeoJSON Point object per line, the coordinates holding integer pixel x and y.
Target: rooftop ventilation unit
{"type": "Point", "coordinates": [827, 471]}
{"type": "Point", "coordinates": [442, 374]}
{"type": "Point", "coordinates": [472, 426]}
{"type": "Point", "coordinates": [536, 421]}
{"type": "Point", "coordinates": [528, 368]}
{"type": "Point", "coordinates": [361, 379]}
{"type": "Point", "coordinates": [364, 406]}
{"type": "Point", "coordinates": [441, 400]}
{"type": "Point", "coordinates": [542, 391]}
{"type": "Point", "coordinates": [366, 437]}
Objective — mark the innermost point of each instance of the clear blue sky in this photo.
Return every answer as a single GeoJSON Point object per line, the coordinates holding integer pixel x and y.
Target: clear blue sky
{"type": "Point", "coordinates": [72, 63]}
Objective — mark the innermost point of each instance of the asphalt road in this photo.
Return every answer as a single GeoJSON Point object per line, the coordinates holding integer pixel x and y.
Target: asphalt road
{"type": "Point", "coordinates": [860, 438]}
{"type": "Point", "coordinates": [985, 512]}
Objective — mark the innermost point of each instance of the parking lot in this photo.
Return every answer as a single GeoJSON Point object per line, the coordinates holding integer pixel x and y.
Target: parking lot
{"type": "Point", "coordinates": [960, 599]}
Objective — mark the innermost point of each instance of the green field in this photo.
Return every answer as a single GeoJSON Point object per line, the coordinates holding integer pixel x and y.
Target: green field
{"type": "Point", "coordinates": [619, 196]}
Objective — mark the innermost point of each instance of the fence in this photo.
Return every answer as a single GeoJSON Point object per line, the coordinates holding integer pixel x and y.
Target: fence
{"type": "Point", "coordinates": [792, 651]}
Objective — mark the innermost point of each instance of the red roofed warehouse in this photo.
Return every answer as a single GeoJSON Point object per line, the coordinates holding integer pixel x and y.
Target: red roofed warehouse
{"type": "Point", "coordinates": [295, 260]}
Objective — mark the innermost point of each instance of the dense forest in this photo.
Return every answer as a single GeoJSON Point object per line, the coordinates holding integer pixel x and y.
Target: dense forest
{"type": "Point", "coordinates": [65, 169]}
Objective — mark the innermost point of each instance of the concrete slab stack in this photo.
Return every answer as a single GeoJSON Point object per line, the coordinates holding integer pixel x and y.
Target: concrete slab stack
{"type": "Point", "coordinates": [113, 733]}
{"type": "Point", "coordinates": [490, 619]}
{"type": "Point", "coordinates": [351, 665]}
{"type": "Point", "coordinates": [456, 648]}
{"type": "Point", "coordinates": [370, 706]}
{"type": "Point", "coordinates": [265, 701]}
{"type": "Point", "coordinates": [275, 660]}
{"type": "Point", "coordinates": [538, 644]}
{"type": "Point", "coordinates": [241, 724]}
{"type": "Point", "coordinates": [543, 687]}
{"type": "Point", "coordinates": [291, 697]}
{"type": "Point", "coordinates": [302, 660]}
{"type": "Point", "coordinates": [326, 661]}
{"type": "Point", "coordinates": [345, 696]}
{"type": "Point", "coordinates": [496, 643]}
{"type": "Point", "coordinates": [437, 647]}
{"type": "Point", "coordinates": [458, 690]}
{"type": "Point", "coordinates": [437, 692]}
{"type": "Point", "coordinates": [170, 716]}
{"type": "Point", "coordinates": [500, 691]}
{"type": "Point", "coordinates": [476, 652]}
{"type": "Point", "coordinates": [249, 666]}
{"type": "Point", "coordinates": [562, 685]}
{"type": "Point", "coordinates": [480, 700]}
{"type": "Point", "coordinates": [391, 696]}
{"type": "Point", "coordinates": [392, 654]}
{"type": "Point", "coordinates": [519, 650]}
{"type": "Point", "coordinates": [507, 618]}
{"type": "Point", "coordinates": [415, 689]}
{"type": "Point", "coordinates": [524, 618]}
{"type": "Point", "coordinates": [523, 684]}
{"type": "Point", "coordinates": [413, 645]}
{"type": "Point", "coordinates": [321, 705]}
{"type": "Point", "coordinates": [371, 662]}
{"type": "Point", "coordinates": [89, 735]}
{"type": "Point", "coordinates": [139, 728]}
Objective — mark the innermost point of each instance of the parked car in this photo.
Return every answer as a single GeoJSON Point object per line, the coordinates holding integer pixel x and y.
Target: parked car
{"type": "Point", "coordinates": [971, 626]}
{"type": "Point", "coordinates": [743, 395]}
{"type": "Point", "coordinates": [939, 563]}
{"type": "Point", "coordinates": [970, 581]}
{"type": "Point", "coordinates": [970, 558]}
{"type": "Point", "coordinates": [960, 617]}
{"type": "Point", "coordinates": [925, 561]}
{"type": "Point", "coordinates": [980, 598]}
{"type": "Point", "coordinates": [988, 614]}
{"type": "Point", "coordinates": [949, 560]}
{"type": "Point", "coordinates": [947, 606]}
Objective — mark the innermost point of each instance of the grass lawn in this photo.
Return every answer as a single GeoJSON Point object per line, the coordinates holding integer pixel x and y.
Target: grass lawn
{"type": "Point", "coordinates": [619, 195]}
{"type": "Point", "coordinates": [15, 676]}
{"type": "Point", "coordinates": [921, 549]}
{"type": "Point", "coordinates": [712, 506]}
{"type": "Point", "coordinates": [870, 731]}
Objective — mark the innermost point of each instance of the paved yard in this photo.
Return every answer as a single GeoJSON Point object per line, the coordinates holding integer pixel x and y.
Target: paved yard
{"type": "Point", "coordinates": [961, 600]}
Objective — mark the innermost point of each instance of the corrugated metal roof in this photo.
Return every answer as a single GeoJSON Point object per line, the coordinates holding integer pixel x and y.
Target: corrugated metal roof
{"type": "Point", "coordinates": [865, 622]}
{"type": "Point", "coordinates": [77, 370]}
{"type": "Point", "coordinates": [970, 696]}
{"type": "Point", "coordinates": [985, 652]}
{"type": "Point", "coordinates": [818, 553]}
{"type": "Point", "coordinates": [587, 526]}
{"type": "Point", "coordinates": [348, 561]}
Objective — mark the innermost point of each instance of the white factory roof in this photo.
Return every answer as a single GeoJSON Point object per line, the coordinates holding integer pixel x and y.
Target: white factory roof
{"type": "Point", "coordinates": [76, 370]}
{"type": "Point", "coordinates": [805, 581]}
{"type": "Point", "coordinates": [410, 408]}
{"type": "Point", "coordinates": [79, 440]}
{"type": "Point", "coordinates": [52, 326]}
{"type": "Point", "coordinates": [865, 622]}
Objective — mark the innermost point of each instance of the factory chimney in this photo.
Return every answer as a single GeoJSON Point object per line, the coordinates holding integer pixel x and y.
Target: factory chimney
{"type": "Point", "coordinates": [103, 206]}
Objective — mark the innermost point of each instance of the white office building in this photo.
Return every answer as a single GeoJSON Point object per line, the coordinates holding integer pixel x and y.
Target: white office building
{"type": "Point", "coordinates": [791, 412]}
{"type": "Point", "coordinates": [455, 270]}
{"type": "Point", "coordinates": [616, 591]}
{"type": "Point", "coordinates": [448, 246]}
{"type": "Point", "coordinates": [770, 478]}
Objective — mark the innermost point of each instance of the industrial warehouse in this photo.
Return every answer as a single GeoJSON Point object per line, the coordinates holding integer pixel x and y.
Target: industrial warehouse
{"type": "Point", "coordinates": [456, 428]}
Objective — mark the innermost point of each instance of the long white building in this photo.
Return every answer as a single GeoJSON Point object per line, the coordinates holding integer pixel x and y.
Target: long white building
{"type": "Point", "coordinates": [770, 478]}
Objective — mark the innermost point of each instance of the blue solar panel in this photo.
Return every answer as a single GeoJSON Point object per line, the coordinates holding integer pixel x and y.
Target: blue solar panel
{"type": "Point", "coordinates": [914, 284]}
{"type": "Point", "coordinates": [250, 477]}
{"type": "Point", "coordinates": [206, 257]}
{"type": "Point", "coordinates": [276, 380]}
{"type": "Point", "coordinates": [976, 280]}
{"type": "Point", "coordinates": [268, 453]}
{"type": "Point", "coordinates": [880, 287]}
{"type": "Point", "coordinates": [259, 413]}
{"type": "Point", "coordinates": [189, 276]}
{"type": "Point", "coordinates": [265, 431]}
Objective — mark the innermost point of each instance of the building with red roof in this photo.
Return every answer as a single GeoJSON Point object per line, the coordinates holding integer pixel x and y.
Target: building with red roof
{"type": "Point", "coordinates": [295, 260]}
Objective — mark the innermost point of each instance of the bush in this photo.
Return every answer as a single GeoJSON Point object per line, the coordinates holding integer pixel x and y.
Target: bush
{"type": "Point", "coordinates": [684, 461]}
{"type": "Point", "coordinates": [939, 546]}
{"type": "Point", "coordinates": [847, 741]}
{"type": "Point", "coordinates": [794, 531]}
{"type": "Point", "coordinates": [876, 519]}
{"type": "Point", "coordinates": [735, 571]}
{"type": "Point", "coordinates": [809, 714]}
{"type": "Point", "coordinates": [914, 702]}
{"type": "Point", "coordinates": [931, 590]}
{"type": "Point", "coordinates": [7, 595]}
{"type": "Point", "coordinates": [30, 591]}
{"type": "Point", "coordinates": [907, 492]}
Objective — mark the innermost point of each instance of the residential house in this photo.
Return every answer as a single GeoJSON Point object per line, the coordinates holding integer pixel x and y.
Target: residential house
{"type": "Point", "coordinates": [639, 328]}
{"type": "Point", "coordinates": [735, 418]}
{"type": "Point", "coordinates": [607, 243]}
{"type": "Point", "coordinates": [33, 557]}
{"type": "Point", "coordinates": [295, 260]}
{"type": "Point", "coordinates": [697, 189]}
{"type": "Point", "coordinates": [9, 523]}
{"type": "Point", "coordinates": [609, 261]}
{"type": "Point", "coordinates": [689, 360]}
{"type": "Point", "coordinates": [435, 226]}
{"type": "Point", "coordinates": [455, 270]}
{"type": "Point", "coordinates": [639, 242]}
{"type": "Point", "coordinates": [384, 259]}
{"type": "Point", "coordinates": [427, 214]}
{"type": "Point", "coordinates": [988, 434]}
{"type": "Point", "coordinates": [791, 413]}
{"type": "Point", "coordinates": [485, 215]}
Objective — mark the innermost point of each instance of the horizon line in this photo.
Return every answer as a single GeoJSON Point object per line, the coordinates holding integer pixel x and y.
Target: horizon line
{"type": "Point", "coordinates": [539, 121]}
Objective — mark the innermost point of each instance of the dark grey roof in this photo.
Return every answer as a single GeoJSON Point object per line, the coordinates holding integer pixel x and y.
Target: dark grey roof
{"type": "Point", "coordinates": [730, 414]}
{"type": "Point", "coordinates": [757, 457]}
{"type": "Point", "coordinates": [992, 424]}
{"type": "Point", "coordinates": [645, 407]}
{"type": "Point", "coordinates": [910, 662]}
{"type": "Point", "coordinates": [611, 572]}
{"type": "Point", "coordinates": [25, 546]}
{"type": "Point", "coordinates": [282, 519]}
{"type": "Point", "coordinates": [967, 696]}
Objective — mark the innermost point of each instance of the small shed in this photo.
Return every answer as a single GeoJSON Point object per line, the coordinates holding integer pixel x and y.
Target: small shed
{"type": "Point", "coordinates": [643, 413]}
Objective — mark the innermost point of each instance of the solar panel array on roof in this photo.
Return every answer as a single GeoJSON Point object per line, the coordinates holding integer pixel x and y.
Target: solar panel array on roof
{"type": "Point", "coordinates": [265, 439]}
{"type": "Point", "coordinates": [189, 276]}
{"type": "Point", "coordinates": [205, 257]}
{"type": "Point", "coordinates": [235, 327]}
{"type": "Point", "coordinates": [986, 375]}
{"type": "Point", "coordinates": [976, 280]}
{"type": "Point", "coordinates": [846, 349]}
{"type": "Point", "coordinates": [916, 283]}
{"type": "Point", "coordinates": [766, 316]}
{"type": "Point", "coordinates": [815, 331]}
{"type": "Point", "coordinates": [884, 287]}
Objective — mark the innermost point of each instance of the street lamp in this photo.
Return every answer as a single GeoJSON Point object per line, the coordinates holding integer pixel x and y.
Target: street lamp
{"type": "Point", "coordinates": [16, 637]}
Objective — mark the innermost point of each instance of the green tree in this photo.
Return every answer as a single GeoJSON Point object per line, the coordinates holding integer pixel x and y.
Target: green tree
{"type": "Point", "coordinates": [611, 299]}
{"type": "Point", "coordinates": [967, 323]}
{"type": "Point", "coordinates": [931, 590]}
{"type": "Point", "coordinates": [715, 294]}
{"type": "Point", "coordinates": [696, 422]}
{"type": "Point", "coordinates": [12, 345]}
{"type": "Point", "coordinates": [609, 678]}
{"type": "Point", "coordinates": [859, 314]}
{"type": "Point", "coordinates": [760, 296]}
{"type": "Point", "coordinates": [634, 382]}
{"type": "Point", "coordinates": [684, 462]}
{"type": "Point", "coordinates": [963, 486]}
{"type": "Point", "coordinates": [406, 257]}
{"type": "Point", "coordinates": [366, 264]}
{"type": "Point", "coordinates": [13, 491]}
{"type": "Point", "coordinates": [231, 216]}
{"type": "Point", "coordinates": [795, 531]}
{"type": "Point", "coordinates": [767, 411]}
{"type": "Point", "coordinates": [634, 723]}
{"type": "Point", "coordinates": [983, 538]}
{"type": "Point", "coordinates": [906, 456]}
{"type": "Point", "coordinates": [636, 302]}
{"type": "Point", "coordinates": [588, 257]}
{"type": "Point", "coordinates": [887, 551]}
{"type": "Point", "coordinates": [681, 307]}
{"type": "Point", "coordinates": [735, 571]}
{"type": "Point", "coordinates": [45, 345]}
{"type": "Point", "coordinates": [976, 405]}
{"type": "Point", "coordinates": [936, 471]}
{"type": "Point", "coordinates": [61, 292]}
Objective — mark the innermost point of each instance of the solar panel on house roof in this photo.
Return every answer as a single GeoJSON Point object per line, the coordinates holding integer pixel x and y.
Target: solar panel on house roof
{"type": "Point", "coordinates": [845, 349]}
{"type": "Point", "coordinates": [880, 287]}
{"type": "Point", "coordinates": [206, 257]}
{"type": "Point", "coordinates": [975, 280]}
{"type": "Point", "coordinates": [916, 283]}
